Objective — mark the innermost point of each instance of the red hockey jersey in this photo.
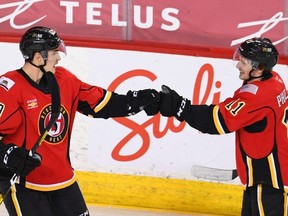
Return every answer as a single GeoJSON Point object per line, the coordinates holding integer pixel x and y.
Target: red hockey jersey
{"type": "Point", "coordinates": [258, 114]}
{"type": "Point", "coordinates": [25, 109]}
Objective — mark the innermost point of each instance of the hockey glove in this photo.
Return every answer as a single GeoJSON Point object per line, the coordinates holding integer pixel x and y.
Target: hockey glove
{"type": "Point", "coordinates": [172, 104]}
{"type": "Point", "coordinates": [152, 109]}
{"type": "Point", "coordinates": [18, 160]}
{"type": "Point", "coordinates": [139, 100]}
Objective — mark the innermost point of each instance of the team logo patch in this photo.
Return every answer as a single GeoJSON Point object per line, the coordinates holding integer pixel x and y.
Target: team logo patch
{"type": "Point", "coordinates": [6, 83]}
{"type": "Point", "coordinates": [59, 129]}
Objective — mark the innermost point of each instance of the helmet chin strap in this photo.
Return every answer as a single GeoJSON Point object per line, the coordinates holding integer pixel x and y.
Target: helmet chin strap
{"type": "Point", "coordinates": [41, 67]}
{"type": "Point", "coordinates": [253, 77]}
{"type": "Point", "coordinates": [254, 67]}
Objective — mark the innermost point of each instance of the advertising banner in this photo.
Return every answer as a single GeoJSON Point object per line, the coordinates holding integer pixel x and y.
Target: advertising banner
{"type": "Point", "coordinates": [202, 27]}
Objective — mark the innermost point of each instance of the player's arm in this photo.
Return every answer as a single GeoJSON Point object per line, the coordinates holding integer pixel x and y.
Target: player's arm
{"type": "Point", "coordinates": [100, 103]}
{"type": "Point", "coordinates": [206, 119]}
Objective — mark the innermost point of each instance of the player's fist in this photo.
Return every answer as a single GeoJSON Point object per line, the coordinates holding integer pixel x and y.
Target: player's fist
{"type": "Point", "coordinates": [140, 100]}
{"type": "Point", "coordinates": [172, 104]}
{"type": "Point", "coordinates": [18, 160]}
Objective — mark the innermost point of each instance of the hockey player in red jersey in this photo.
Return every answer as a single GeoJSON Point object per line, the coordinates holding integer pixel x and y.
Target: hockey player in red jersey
{"type": "Point", "coordinates": [258, 114]}
{"type": "Point", "coordinates": [47, 185]}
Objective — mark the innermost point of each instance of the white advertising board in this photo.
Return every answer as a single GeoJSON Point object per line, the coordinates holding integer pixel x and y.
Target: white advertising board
{"type": "Point", "coordinates": [156, 145]}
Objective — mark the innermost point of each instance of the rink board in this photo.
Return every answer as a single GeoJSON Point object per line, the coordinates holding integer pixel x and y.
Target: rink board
{"type": "Point", "coordinates": [161, 193]}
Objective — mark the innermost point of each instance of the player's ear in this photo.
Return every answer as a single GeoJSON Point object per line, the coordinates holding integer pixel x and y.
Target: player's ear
{"type": "Point", "coordinates": [37, 59]}
{"type": "Point", "coordinates": [257, 72]}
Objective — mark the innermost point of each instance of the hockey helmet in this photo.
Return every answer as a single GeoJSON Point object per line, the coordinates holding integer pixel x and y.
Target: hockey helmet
{"type": "Point", "coordinates": [40, 39]}
{"type": "Point", "coordinates": [260, 51]}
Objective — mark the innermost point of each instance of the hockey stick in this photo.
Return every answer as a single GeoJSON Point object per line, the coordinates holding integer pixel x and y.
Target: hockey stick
{"type": "Point", "coordinates": [214, 173]}
{"type": "Point", "coordinates": [55, 110]}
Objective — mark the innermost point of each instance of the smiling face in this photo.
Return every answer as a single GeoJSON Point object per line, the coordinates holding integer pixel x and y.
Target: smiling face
{"type": "Point", "coordinates": [245, 67]}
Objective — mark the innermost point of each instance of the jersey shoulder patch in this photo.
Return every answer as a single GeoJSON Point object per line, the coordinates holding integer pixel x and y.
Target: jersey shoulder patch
{"type": "Point", "coordinates": [250, 88]}
{"type": "Point", "coordinates": [6, 83]}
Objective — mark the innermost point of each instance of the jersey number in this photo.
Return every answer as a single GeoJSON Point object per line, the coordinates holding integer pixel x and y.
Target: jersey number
{"type": "Point", "coordinates": [237, 105]}
{"type": "Point", "coordinates": [2, 107]}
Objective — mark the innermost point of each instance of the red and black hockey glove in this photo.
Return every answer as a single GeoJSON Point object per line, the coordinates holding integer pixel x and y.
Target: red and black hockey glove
{"type": "Point", "coordinates": [172, 104]}
{"type": "Point", "coordinates": [146, 99]}
{"type": "Point", "coordinates": [18, 160]}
